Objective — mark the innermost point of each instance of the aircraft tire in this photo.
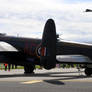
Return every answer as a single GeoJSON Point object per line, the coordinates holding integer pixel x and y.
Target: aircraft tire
{"type": "Point", "coordinates": [28, 69]}
{"type": "Point", "coordinates": [88, 71]}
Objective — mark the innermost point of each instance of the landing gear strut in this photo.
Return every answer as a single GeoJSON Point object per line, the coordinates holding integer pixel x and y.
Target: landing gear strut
{"type": "Point", "coordinates": [88, 71]}
{"type": "Point", "coordinates": [29, 69]}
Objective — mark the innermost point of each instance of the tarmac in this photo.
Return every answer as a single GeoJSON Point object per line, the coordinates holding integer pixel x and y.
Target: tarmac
{"type": "Point", "coordinates": [55, 80]}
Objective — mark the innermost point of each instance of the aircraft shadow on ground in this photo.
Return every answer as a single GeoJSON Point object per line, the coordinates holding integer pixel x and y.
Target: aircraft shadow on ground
{"type": "Point", "coordinates": [60, 80]}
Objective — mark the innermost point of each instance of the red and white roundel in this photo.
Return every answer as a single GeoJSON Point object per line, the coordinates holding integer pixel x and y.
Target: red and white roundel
{"type": "Point", "coordinates": [41, 51]}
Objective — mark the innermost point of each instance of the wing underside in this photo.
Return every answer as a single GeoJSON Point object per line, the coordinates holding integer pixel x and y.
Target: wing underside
{"type": "Point", "coordinates": [7, 47]}
{"type": "Point", "coordinates": [77, 59]}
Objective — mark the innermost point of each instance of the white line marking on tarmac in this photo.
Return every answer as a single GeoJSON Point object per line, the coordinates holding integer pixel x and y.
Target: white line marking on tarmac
{"type": "Point", "coordinates": [32, 81]}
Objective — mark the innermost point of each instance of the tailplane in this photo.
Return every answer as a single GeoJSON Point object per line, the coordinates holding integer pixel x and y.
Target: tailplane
{"type": "Point", "coordinates": [48, 45]}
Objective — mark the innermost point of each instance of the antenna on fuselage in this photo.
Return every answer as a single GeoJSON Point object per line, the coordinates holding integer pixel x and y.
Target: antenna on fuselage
{"type": "Point", "coordinates": [17, 35]}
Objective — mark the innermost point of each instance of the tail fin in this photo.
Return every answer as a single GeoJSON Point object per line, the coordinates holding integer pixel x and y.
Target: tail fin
{"type": "Point", "coordinates": [48, 45]}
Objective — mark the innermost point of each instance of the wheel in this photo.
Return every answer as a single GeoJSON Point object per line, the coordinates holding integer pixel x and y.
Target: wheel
{"type": "Point", "coordinates": [88, 71]}
{"type": "Point", "coordinates": [29, 68]}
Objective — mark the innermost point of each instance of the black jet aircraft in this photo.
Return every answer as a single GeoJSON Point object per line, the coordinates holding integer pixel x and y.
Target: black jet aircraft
{"type": "Point", "coordinates": [46, 52]}
{"type": "Point", "coordinates": [88, 10]}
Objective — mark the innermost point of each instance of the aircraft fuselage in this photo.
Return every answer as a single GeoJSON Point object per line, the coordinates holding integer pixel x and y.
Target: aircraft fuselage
{"type": "Point", "coordinates": [31, 47]}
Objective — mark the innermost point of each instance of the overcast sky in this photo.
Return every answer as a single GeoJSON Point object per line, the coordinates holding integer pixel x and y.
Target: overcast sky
{"type": "Point", "coordinates": [27, 18]}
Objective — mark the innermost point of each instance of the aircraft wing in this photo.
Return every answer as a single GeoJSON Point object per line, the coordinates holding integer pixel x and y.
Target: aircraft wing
{"type": "Point", "coordinates": [77, 59]}
{"type": "Point", "coordinates": [5, 47]}
{"type": "Point", "coordinates": [8, 53]}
